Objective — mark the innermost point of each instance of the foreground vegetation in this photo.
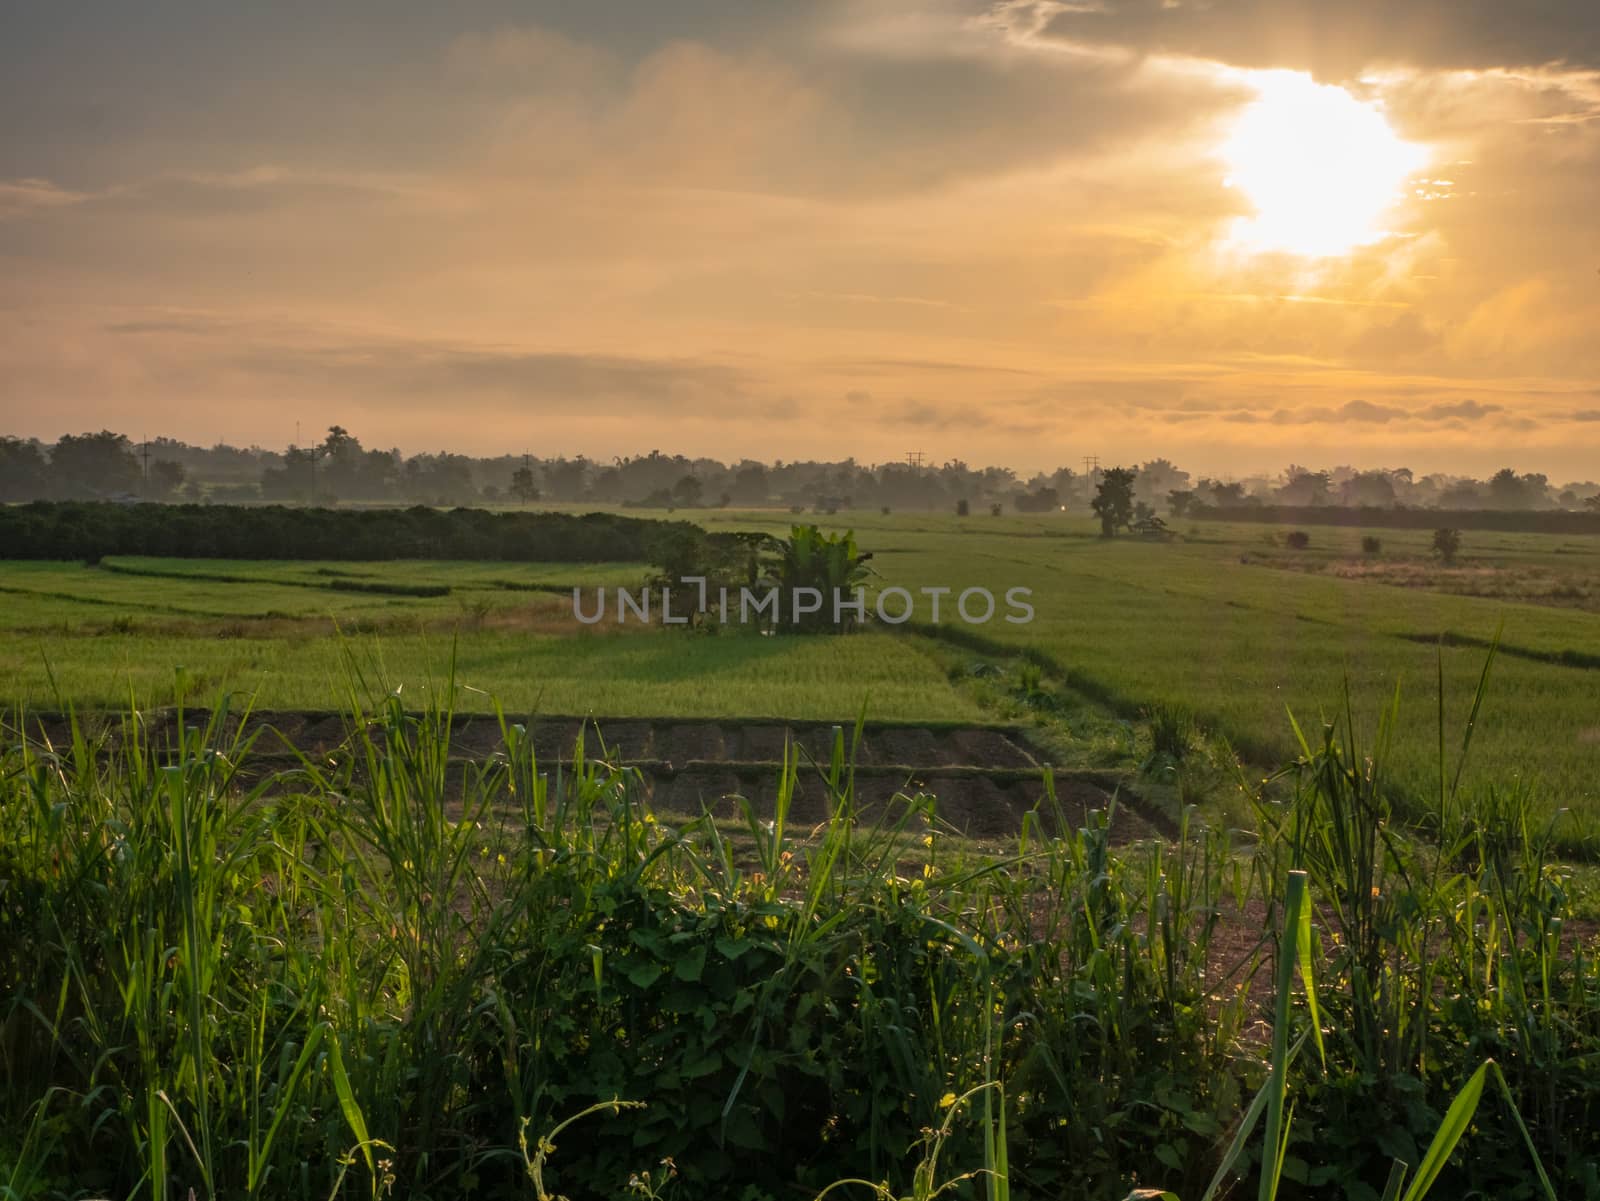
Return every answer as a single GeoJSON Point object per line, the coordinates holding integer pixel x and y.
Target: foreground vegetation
{"type": "Point", "coordinates": [387, 970]}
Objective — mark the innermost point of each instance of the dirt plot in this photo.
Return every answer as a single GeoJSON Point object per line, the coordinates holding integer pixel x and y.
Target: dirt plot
{"type": "Point", "coordinates": [984, 778]}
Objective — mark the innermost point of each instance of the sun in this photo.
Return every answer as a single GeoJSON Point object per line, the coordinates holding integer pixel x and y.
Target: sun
{"type": "Point", "coordinates": [1321, 168]}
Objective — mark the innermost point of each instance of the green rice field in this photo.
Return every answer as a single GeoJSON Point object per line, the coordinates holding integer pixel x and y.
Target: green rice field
{"type": "Point", "coordinates": [1223, 622]}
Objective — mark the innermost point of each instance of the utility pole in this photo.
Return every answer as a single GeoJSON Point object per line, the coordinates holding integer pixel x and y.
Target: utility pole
{"type": "Point", "coordinates": [146, 457]}
{"type": "Point", "coordinates": [914, 458]}
{"type": "Point", "coordinates": [1091, 464]}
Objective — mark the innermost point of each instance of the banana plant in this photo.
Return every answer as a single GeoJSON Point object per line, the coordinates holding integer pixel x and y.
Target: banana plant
{"type": "Point", "coordinates": [809, 565]}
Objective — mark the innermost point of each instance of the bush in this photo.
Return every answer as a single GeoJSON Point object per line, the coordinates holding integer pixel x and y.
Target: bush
{"type": "Point", "coordinates": [962, 508]}
{"type": "Point", "coordinates": [1297, 540]}
{"type": "Point", "coordinates": [1447, 544]}
{"type": "Point", "coordinates": [1371, 545]}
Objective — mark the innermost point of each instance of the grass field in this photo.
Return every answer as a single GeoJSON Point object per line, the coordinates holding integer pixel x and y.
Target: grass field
{"type": "Point", "coordinates": [1224, 622]}
{"type": "Point", "coordinates": [1240, 644]}
{"type": "Point", "coordinates": [390, 967]}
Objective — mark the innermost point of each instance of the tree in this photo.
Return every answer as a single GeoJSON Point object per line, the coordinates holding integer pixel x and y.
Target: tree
{"type": "Point", "coordinates": [24, 474]}
{"type": "Point", "coordinates": [294, 480]}
{"type": "Point", "coordinates": [1447, 544]}
{"type": "Point", "coordinates": [1158, 478]}
{"type": "Point", "coordinates": [963, 507]}
{"type": "Point", "coordinates": [1040, 500]}
{"type": "Point", "coordinates": [1508, 490]}
{"type": "Point", "coordinates": [1222, 495]}
{"type": "Point", "coordinates": [688, 492]}
{"type": "Point", "coordinates": [441, 479]}
{"type": "Point", "coordinates": [100, 464]}
{"type": "Point", "coordinates": [166, 477]}
{"type": "Point", "coordinates": [566, 477]}
{"type": "Point", "coordinates": [1302, 487]}
{"type": "Point", "coordinates": [522, 485]}
{"type": "Point", "coordinates": [1593, 503]}
{"type": "Point", "coordinates": [750, 485]}
{"type": "Point", "coordinates": [1113, 500]}
{"type": "Point", "coordinates": [1179, 501]}
{"type": "Point", "coordinates": [1372, 488]}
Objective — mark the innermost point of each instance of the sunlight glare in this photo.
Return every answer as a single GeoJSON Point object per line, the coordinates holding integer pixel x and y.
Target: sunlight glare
{"type": "Point", "coordinates": [1321, 168]}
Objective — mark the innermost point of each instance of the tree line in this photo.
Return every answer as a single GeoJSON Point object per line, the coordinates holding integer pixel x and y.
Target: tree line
{"type": "Point", "coordinates": [341, 469]}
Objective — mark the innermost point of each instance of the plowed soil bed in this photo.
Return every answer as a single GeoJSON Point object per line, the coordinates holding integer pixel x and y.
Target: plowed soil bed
{"type": "Point", "coordinates": [985, 778]}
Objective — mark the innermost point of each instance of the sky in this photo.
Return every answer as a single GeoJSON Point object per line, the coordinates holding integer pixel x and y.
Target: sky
{"type": "Point", "coordinates": [1235, 233]}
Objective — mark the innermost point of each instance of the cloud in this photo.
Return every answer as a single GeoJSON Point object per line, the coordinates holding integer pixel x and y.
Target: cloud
{"type": "Point", "coordinates": [1465, 410]}
{"type": "Point", "coordinates": [22, 197]}
{"type": "Point", "coordinates": [296, 359]}
{"type": "Point", "coordinates": [1334, 39]}
{"type": "Point", "coordinates": [529, 57]}
{"type": "Point", "coordinates": [1365, 412]}
{"type": "Point", "coordinates": [635, 221]}
{"type": "Point", "coordinates": [443, 377]}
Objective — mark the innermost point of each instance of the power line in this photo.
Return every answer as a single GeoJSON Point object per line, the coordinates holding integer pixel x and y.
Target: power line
{"type": "Point", "coordinates": [914, 458]}
{"type": "Point", "coordinates": [1091, 464]}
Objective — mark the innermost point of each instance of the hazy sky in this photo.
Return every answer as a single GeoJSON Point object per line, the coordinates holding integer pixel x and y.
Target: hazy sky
{"type": "Point", "coordinates": [1233, 232]}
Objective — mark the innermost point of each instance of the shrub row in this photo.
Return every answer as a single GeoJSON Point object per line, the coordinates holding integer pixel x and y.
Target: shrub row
{"type": "Point", "coordinates": [90, 530]}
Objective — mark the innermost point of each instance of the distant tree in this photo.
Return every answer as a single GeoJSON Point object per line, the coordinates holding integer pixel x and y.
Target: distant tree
{"type": "Point", "coordinates": [1160, 477]}
{"type": "Point", "coordinates": [1113, 500]}
{"type": "Point", "coordinates": [24, 473]}
{"type": "Point", "coordinates": [1179, 501]}
{"type": "Point", "coordinates": [442, 479]}
{"type": "Point", "coordinates": [688, 492]}
{"type": "Point", "coordinates": [750, 485]}
{"type": "Point", "coordinates": [294, 479]}
{"type": "Point", "coordinates": [1508, 490]}
{"type": "Point", "coordinates": [962, 507]}
{"type": "Point", "coordinates": [1593, 503]}
{"type": "Point", "coordinates": [522, 485]}
{"type": "Point", "coordinates": [1373, 488]}
{"type": "Point", "coordinates": [1041, 500]}
{"type": "Point", "coordinates": [1302, 487]}
{"type": "Point", "coordinates": [1462, 494]}
{"type": "Point", "coordinates": [100, 464]}
{"type": "Point", "coordinates": [1371, 545]}
{"type": "Point", "coordinates": [996, 509]}
{"type": "Point", "coordinates": [1297, 540]}
{"type": "Point", "coordinates": [1447, 544]}
{"type": "Point", "coordinates": [1222, 495]}
{"type": "Point", "coordinates": [166, 477]}
{"type": "Point", "coordinates": [566, 477]}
